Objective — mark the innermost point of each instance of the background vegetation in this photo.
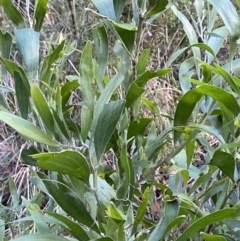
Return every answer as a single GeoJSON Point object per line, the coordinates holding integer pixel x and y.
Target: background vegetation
{"type": "Point", "coordinates": [119, 120]}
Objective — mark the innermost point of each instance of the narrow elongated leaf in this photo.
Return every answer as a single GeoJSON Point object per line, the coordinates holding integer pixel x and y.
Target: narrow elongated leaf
{"type": "Point", "coordinates": [127, 176]}
{"type": "Point", "coordinates": [72, 227]}
{"type": "Point", "coordinates": [70, 203]}
{"type": "Point", "coordinates": [209, 219]}
{"type": "Point", "coordinates": [46, 73]}
{"type": "Point", "coordinates": [115, 213]}
{"type": "Point", "coordinates": [138, 127]}
{"type": "Point", "coordinates": [188, 101]}
{"type": "Point", "coordinates": [13, 13]}
{"type": "Point", "coordinates": [86, 121]}
{"type": "Point", "coordinates": [191, 34]}
{"type": "Point", "coordinates": [106, 8]}
{"type": "Point", "coordinates": [66, 162]}
{"type": "Point", "coordinates": [151, 105]}
{"type": "Point", "coordinates": [66, 91]}
{"type": "Point", "coordinates": [106, 124]}
{"type": "Point", "coordinates": [12, 67]}
{"type": "Point", "coordinates": [229, 15]}
{"type": "Point", "coordinates": [27, 129]}
{"type": "Point", "coordinates": [215, 41]}
{"type": "Point", "coordinates": [211, 237]}
{"type": "Point", "coordinates": [5, 47]}
{"type": "Point", "coordinates": [22, 94]}
{"type": "Point", "coordinates": [40, 237]}
{"type": "Point", "coordinates": [170, 211]}
{"type": "Point", "coordinates": [39, 14]}
{"type": "Point", "coordinates": [133, 93]}
{"type": "Point", "coordinates": [37, 216]}
{"type": "Point", "coordinates": [105, 96]}
{"type": "Point", "coordinates": [87, 75]}
{"type": "Point", "coordinates": [42, 108]}
{"type": "Point", "coordinates": [156, 7]}
{"type": "Point", "coordinates": [119, 7]}
{"type": "Point", "coordinates": [101, 46]}
{"type": "Point", "coordinates": [142, 61]}
{"type": "Point", "coordinates": [28, 44]}
{"type": "Point", "coordinates": [225, 162]}
{"type": "Point", "coordinates": [141, 212]}
{"type": "Point", "coordinates": [104, 191]}
{"type": "Point", "coordinates": [148, 75]}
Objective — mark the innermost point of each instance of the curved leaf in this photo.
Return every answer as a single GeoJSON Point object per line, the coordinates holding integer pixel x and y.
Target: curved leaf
{"type": "Point", "coordinates": [39, 14]}
{"type": "Point", "coordinates": [27, 129]}
{"type": "Point", "coordinates": [42, 108]}
{"type": "Point", "coordinates": [13, 13]}
{"type": "Point", "coordinates": [66, 162]}
{"type": "Point", "coordinates": [189, 100]}
{"type": "Point", "coordinates": [28, 44]}
{"type": "Point", "coordinates": [209, 219]}
{"type": "Point", "coordinates": [106, 123]}
{"type": "Point", "coordinates": [229, 15]}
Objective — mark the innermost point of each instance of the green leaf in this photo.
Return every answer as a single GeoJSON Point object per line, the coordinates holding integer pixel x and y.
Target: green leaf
{"type": "Point", "coordinates": [119, 7]}
{"type": "Point", "coordinates": [39, 14]}
{"type": "Point", "coordinates": [216, 41]}
{"type": "Point", "coordinates": [115, 213]}
{"type": "Point", "coordinates": [70, 202]}
{"type": "Point", "coordinates": [188, 101]}
{"type": "Point", "coordinates": [67, 162]}
{"type": "Point", "coordinates": [5, 47]}
{"type": "Point", "coordinates": [127, 176]}
{"type": "Point", "coordinates": [22, 94]}
{"type": "Point", "coordinates": [171, 210]}
{"type": "Point", "coordinates": [229, 15]}
{"type": "Point", "coordinates": [151, 105]}
{"type": "Point", "coordinates": [133, 93]}
{"type": "Point", "coordinates": [106, 124]}
{"type": "Point", "coordinates": [27, 129]}
{"type": "Point", "coordinates": [42, 108]}
{"type": "Point", "coordinates": [86, 121]}
{"type": "Point", "coordinates": [141, 212]}
{"type": "Point", "coordinates": [106, 8]}
{"type": "Point", "coordinates": [104, 191]}
{"type": "Point", "coordinates": [156, 7]}
{"type": "Point", "coordinates": [26, 156]}
{"type": "Point", "coordinates": [72, 227]}
{"type": "Point", "coordinates": [87, 75]}
{"type": "Point", "coordinates": [191, 34]}
{"type": "Point", "coordinates": [142, 61]}
{"type": "Point", "coordinates": [40, 237]}
{"type": "Point", "coordinates": [28, 44]}
{"type": "Point", "coordinates": [126, 33]}
{"type": "Point", "coordinates": [148, 75]}
{"type": "Point", "coordinates": [138, 127]}
{"type": "Point", "coordinates": [101, 47]}
{"type": "Point", "coordinates": [13, 14]}
{"type": "Point", "coordinates": [46, 72]}
{"type": "Point", "coordinates": [225, 162]}
{"type": "Point", "coordinates": [12, 67]}
{"type": "Point", "coordinates": [209, 219]}
{"type": "Point", "coordinates": [210, 237]}
{"type": "Point", "coordinates": [37, 216]}
{"type": "Point", "coordinates": [105, 96]}
{"type": "Point", "coordinates": [66, 90]}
